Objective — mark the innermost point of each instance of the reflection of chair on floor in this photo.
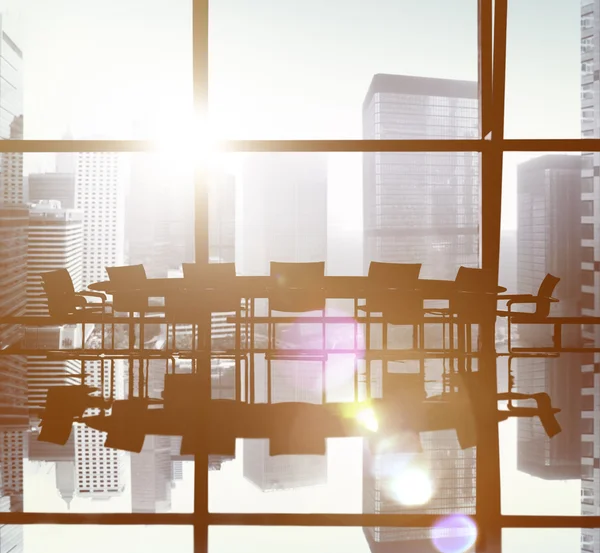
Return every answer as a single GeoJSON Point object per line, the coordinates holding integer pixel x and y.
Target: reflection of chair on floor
{"type": "Point", "coordinates": [130, 297]}
{"type": "Point", "coordinates": [472, 302]}
{"type": "Point", "coordinates": [392, 292]}
{"type": "Point", "coordinates": [65, 405]}
{"type": "Point", "coordinates": [208, 289]}
{"type": "Point", "coordinates": [297, 288]}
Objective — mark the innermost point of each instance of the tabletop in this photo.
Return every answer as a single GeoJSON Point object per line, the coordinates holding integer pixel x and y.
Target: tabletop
{"type": "Point", "coordinates": [259, 286]}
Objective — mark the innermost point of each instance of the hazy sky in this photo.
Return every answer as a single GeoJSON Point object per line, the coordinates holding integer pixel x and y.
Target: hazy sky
{"type": "Point", "coordinates": [288, 69]}
{"type": "Point", "coordinates": [283, 69]}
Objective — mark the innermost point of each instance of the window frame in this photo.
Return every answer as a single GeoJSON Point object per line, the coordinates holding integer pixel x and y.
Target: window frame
{"type": "Point", "coordinates": [491, 145]}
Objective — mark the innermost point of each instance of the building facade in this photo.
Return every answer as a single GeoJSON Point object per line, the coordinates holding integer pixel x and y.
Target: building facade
{"type": "Point", "coordinates": [281, 472]}
{"type": "Point", "coordinates": [548, 241]}
{"type": "Point", "coordinates": [55, 241]}
{"type": "Point", "coordinates": [99, 196]}
{"type": "Point", "coordinates": [284, 213]}
{"type": "Point", "coordinates": [421, 206]}
{"type": "Point", "coordinates": [52, 186]}
{"type": "Point", "coordinates": [590, 267]}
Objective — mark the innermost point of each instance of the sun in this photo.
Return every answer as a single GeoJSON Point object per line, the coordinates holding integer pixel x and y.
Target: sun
{"type": "Point", "coordinates": [188, 144]}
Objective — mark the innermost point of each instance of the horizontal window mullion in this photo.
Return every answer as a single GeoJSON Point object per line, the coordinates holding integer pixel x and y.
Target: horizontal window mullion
{"type": "Point", "coordinates": [450, 145]}
{"type": "Point", "coordinates": [110, 519]}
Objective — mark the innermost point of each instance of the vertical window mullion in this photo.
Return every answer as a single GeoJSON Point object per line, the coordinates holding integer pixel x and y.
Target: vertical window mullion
{"type": "Point", "coordinates": [200, 76]}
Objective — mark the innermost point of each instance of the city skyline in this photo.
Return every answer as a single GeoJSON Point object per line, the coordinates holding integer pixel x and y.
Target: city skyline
{"type": "Point", "coordinates": [95, 175]}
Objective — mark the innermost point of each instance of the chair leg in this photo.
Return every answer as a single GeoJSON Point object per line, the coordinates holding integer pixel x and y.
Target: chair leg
{"type": "Point", "coordinates": [112, 380]}
{"type": "Point", "coordinates": [238, 362]}
{"type": "Point", "coordinates": [252, 364]}
{"type": "Point", "coordinates": [368, 356]}
{"type": "Point", "coordinates": [271, 337]}
{"type": "Point", "coordinates": [324, 361]}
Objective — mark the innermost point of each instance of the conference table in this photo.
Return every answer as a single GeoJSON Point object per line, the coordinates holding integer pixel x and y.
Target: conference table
{"type": "Point", "coordinates": [254, 287]}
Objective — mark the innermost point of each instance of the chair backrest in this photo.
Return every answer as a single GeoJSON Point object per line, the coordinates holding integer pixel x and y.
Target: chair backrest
{"type": "Point", "coordinates": [60, 292]}
{"type": "Point", "coordinates": [208, 276]}
{"type": "Point", "coordinates": [394, 275]}
{"type": "Point", "coordinates": [298, 287]}
{"type": "Point", "coordinates": [545, 291]}
{"type": "Point", "coordinates": [480, 302]}
{"type": "Point", "coordinates": [127, 274]}
{"type": "Point", "coordinates": [129, 277]}
{"type": "Point", "coordinates": [469, 279]}
{"type": "Point", "coordinates": [300, 275]}
{"type": "Point", "coordinates": [391, 291]}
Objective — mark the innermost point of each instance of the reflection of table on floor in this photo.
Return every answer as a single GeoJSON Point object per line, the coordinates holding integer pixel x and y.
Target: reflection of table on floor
{"type": "Point", "coordinates": [334, 287]}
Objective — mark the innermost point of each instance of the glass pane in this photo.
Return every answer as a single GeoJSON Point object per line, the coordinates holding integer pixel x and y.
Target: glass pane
{"type": "Point", "coordinates": [86, 212]}
{"type": "Point", "coordinates": [346, 210]}
{"type": "Point", "coordinates": [549, 540]}
{"type": "Point", "coordinates": [96, 539]}
{"type": "Point", "coordinates": [452, 534]}
{"type": "Point", "coordinates": [546, 229]}
{"type": "Point", "coordinates": [96, 72]}
{"type": "Point", "coordinates": [534, 89]}
{"type": "Point", "coordinates": [329, 61]}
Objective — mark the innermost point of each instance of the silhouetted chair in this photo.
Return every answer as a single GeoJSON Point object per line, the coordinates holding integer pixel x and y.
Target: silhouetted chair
{"type": "Point", "coordinates": [542, 301]}
{"type": "Point", "coordinates": [130, 295]}
{"type": "Point", "coordinates": [64, 405]}
{"type": "Point", "coordinates": [392, 292]}
{"type": "Point", "coordinates": [471, 302]}
{"type": "Point", "coordinates": [65, 303]}
{"type": "Point", "coordinates": [208, 288]}
{"type": "Point", "coordinates": [297, 288]}
{"type": "Point", "coordinates": [127, 428]}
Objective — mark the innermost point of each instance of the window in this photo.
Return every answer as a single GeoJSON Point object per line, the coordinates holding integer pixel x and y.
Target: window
{"type": "Point", "coordinates": [282, 87]}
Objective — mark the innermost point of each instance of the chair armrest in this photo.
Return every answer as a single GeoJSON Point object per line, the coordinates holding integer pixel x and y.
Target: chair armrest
{"type": "Point", "coordinates": [91, 294]}
{"type": "Point", "coordinates": [531, 299]}
{"type": "Point", "coordinates": [509, 297]}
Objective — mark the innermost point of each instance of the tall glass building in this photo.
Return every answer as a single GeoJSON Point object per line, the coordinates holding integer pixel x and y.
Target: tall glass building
{"type": "Point", "coordinates": [548, 238]}
{"type": "Point", "coordinates": [421, 205]}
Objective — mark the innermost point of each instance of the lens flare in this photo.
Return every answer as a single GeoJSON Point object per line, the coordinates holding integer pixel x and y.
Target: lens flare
{"type": "Point", "coordinates": [367, 418]}
{"type": "Point", "coordinates": [454, 534]}
{"type": "Point", "coordinates": [412, 486]}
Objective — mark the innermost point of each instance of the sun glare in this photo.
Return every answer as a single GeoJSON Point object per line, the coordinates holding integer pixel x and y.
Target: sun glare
{"type": "Point", "coordinates": [367, 418]}
{"type": "Point", "coordinates": [412, 486]}
{"type": "Point", "coordinates": [189, 143]}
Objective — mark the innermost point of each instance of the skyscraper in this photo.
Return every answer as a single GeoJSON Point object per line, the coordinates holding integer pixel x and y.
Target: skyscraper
{"type": "Point", "coordinates": [99, 196]}
{"type": "Point", "coordinates": [13, 278]}
{"type": "Point", "coordinates": [154, 234]}
{"type": "Point", "coordinates": [284, 214]}
{"type": "Point", "coordinates": [421, 206]}
{"type": "Point", "coordinates": [11, 124]}
{"type": "Point", "coordinates": [52, 186]}
{"type": "Point", "coordinates": [590, 265]}
{"type": "Point", "coordinates": [222, 218]}
{"type": "Point", "coordinates": [284, 218]}
{"type": "Point", "coordinates": [100, 471]}
{"type": "Point", "coordinates": [55, 241]}
{"type": "Point", "coordinates": [548, 241]}
{"type": "Point", "coordinates": [13, 449]}
{"type": "Point", "coordinates": [281, 472]}
{"type": "Point", "coordinates": [151, 476]}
